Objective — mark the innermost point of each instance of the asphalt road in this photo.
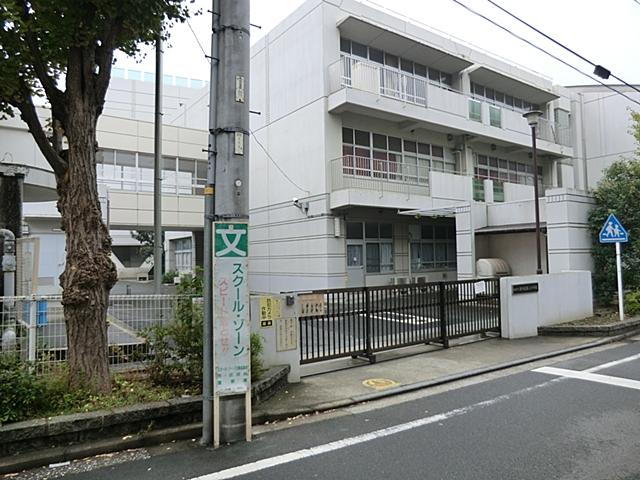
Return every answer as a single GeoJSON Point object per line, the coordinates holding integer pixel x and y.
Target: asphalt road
{"type": "Point", "coordinates": [578, 419]}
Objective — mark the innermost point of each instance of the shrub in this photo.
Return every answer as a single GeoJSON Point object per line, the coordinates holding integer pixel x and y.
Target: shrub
{"type": "Point", "coordinates": [632, 302]}
{"type": "Point", "coordinates": [20, 389]}
{"type": "Point", "coordinates": [256, 360]}
{"type": "Point", "coordinates": [169, 276]}
{"type": "Point", "coordinates": [176, 348]}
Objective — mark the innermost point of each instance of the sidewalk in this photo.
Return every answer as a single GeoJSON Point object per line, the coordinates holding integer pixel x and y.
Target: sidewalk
{"type": "Point", "coordinates": [408, 369]}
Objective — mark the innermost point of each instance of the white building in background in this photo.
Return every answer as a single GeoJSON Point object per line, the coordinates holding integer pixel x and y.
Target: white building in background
{"type": "Point", "coordinates": [396, 154]}
{"type": "Point", "coordinates": [125, 176]}
{"type": "Point", "coordinates": [383, 153]}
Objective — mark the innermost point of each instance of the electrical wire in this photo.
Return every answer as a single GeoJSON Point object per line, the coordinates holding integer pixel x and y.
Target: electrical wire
{"type": "Point", "coordinates": [561, 45]}
{"type": "Point", "coordinates": [544, 51]}
{"type": "Point", "coordinates": [276, 164]}
{"type": "Point", "coordinates": [198, 41]}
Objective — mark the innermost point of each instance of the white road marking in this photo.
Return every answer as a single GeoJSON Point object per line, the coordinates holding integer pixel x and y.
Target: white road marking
{"type": "Point", "coordinates": [366, 437]}
{"type": "Point", "coordinates": [613, 364]}
{"type": "Point", "coordinates": [591, 377]}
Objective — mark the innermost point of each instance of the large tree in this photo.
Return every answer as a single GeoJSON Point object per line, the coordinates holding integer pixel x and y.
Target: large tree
{"type": "Point", "coordinates": [618, 192]}
{"type": "Point", "coordinates": [63, 51]}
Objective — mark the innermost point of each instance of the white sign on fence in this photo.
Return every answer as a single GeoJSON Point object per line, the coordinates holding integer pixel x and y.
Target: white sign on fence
{"type": "Point", "coordinates": [231, 309]}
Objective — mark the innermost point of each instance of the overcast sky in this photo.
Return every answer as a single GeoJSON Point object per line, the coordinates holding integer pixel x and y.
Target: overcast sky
{"type": "Point", "coordinates": [605, 32]}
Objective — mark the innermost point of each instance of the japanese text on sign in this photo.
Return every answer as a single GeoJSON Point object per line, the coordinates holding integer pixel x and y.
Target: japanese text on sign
{"type": "Point", "coordinates": [312, 304]}
{"type": "Point", "coordinates": [231, 300]}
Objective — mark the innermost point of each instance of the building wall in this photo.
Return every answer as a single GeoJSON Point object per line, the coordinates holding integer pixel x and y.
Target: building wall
{"type": "Point", "coordinates": [606, 127]}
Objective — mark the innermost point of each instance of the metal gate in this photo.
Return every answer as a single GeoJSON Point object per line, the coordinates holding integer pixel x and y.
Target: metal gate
{"type": "Point", "coordinates": [363, 321]}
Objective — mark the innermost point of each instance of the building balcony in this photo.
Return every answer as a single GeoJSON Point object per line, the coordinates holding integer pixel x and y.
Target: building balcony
{"type": "Point", "coordinates": [366, 181]}
{"type": "Point", "coordinates": [368, 88]}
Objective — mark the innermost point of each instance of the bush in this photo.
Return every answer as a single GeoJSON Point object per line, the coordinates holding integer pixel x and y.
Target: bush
{"type": "Point", "coordinates": [169, 276]}
{"type": "Point", "coordinates": [617, 192]}
{"type": "Point", "coordinates": [256, 360]}
{"type": "Point", "coordinates": [20, 390]}
{"type": "Point", "coordinates": [176, 348]}
{"type": "Point", "coordinates": [632, 302]}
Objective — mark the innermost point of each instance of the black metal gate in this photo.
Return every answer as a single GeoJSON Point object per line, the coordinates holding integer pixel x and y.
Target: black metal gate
{"type": "Point", "coordinates": [362, 321]}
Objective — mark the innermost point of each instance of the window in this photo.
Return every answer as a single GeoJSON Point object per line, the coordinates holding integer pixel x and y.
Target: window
{"type": "Point", "coordinates": [378, 247]}
{"type": "Point", "coordinates": [495, 116]}
{"type": "Point", "coordinates": [435, 248]}
{"type": "Point", "coordinates": [359, 49]}
{"type": "Point", "coordinates": [475, 110]}
{"type": "Point", "coordinates": [498, 169]}
{"type": "Point", "coordinates": [183, 252]}
{"type": "Point", "coordinates": [345, 45]}
{"type": "Point", "coordinates": [376, 55]}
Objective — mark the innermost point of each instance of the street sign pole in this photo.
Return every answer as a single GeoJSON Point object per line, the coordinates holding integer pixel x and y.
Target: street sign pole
{"type": "Point", "coordinates": [620, 291]}
{"type": "Point", "coordinates": [613, 232]}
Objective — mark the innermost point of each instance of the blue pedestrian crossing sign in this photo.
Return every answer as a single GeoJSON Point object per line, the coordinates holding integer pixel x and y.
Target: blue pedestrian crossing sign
{"type": "Point", "coordinates": [613, 232]}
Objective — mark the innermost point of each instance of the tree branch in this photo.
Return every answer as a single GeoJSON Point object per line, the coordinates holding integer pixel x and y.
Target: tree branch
{"type": "Point", "coordinates": [53, 93]}
{"type": "Point", "coordinates": [30, 117]}
{"type": "Point", "coordinates": [104, 59]}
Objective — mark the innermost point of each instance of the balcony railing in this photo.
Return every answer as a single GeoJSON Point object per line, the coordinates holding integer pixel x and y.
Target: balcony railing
{"type": "Point", "coordinates": [361, 74]}
{"type": "Point", "coordinates": [351, 171]}
{"type": "Point", "coordinates": [554, 132]}
{"type": "Point", "coordinates": [354, 72]}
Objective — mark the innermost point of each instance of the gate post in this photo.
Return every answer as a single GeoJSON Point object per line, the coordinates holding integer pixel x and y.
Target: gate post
{"type": "Point", "coordinates": [443, 314]}
{"type": "Point", "coordinates": [367, 329]}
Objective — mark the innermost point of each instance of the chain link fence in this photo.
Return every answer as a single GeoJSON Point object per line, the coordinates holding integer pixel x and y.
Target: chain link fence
{"type": "Point", "coordinates": [33, 327]}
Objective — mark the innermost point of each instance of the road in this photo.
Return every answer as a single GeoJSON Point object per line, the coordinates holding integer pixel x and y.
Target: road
{"type": "Point", "coordinates": [576, 419]}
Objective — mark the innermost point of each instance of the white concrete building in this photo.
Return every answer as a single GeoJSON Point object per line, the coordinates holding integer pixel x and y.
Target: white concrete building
{"type": "Point", "coordinates": [125, 175]}
{"type": "Point", "coordinates": [395, 153]}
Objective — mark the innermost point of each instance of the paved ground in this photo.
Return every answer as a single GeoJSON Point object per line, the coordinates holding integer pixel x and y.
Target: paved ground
{"type": "Point", "coordinates": [571, 418]}
{"type": "Point", "coordinates": [320, 389]}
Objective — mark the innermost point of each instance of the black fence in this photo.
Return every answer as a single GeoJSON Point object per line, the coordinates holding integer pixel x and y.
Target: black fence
{"type": "Point", "coordinates": [363, 321]}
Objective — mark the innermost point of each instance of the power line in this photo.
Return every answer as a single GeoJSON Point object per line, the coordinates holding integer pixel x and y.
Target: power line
{"type": "Point", "coordinates": [544, 51]}
{"type": "Point", "coordinates": [198, 41]}
{"type": "Point", "coordinates": [561, 45]}
{"type": "Point", "coordinates": [276, 165]}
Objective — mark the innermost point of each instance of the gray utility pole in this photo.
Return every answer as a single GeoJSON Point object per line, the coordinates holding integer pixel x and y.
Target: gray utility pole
{"type": "Point", "coordinates": [209, 191]}
{"type": "Point", "coordinates": [157, 173]}
{"type": "Point", "coordinates": [232, 159]}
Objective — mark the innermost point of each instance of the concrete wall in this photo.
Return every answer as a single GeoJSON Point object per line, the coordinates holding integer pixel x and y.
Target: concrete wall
{"type": "Point", "coordinates": [569, 238]}
{"type": "Point", "coordinates": [606, 125]}
{"type": "Point", "coordinates": [561, 297]}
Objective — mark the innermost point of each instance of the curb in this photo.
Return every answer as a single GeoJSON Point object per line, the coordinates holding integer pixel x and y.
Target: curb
{"type": "Point", "coordinates": [591, 330]}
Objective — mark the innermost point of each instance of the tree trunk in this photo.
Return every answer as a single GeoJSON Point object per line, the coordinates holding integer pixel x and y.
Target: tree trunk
{"type": "Point", "coordinates": [89, 272]}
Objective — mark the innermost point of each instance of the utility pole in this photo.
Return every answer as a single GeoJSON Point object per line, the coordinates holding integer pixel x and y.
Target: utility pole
{"type": "Point", "coordinates": [209, 196]}
{"type": "Point", "coordinates": [232, 379]}
{"type": "Point", "coordinates": [157, 172]}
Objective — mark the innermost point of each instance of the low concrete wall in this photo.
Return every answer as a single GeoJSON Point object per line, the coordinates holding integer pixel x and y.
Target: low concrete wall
{"type": "Point", "coordinates": [532, 301]}
{"type": "Point", "coordinates": [277, 324]}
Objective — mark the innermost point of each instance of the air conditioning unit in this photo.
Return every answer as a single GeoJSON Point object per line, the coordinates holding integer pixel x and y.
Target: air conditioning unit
{"type": "Point", "coordinates": [421, 279]}
{"type": "Point", "coordinates": [399, 280]}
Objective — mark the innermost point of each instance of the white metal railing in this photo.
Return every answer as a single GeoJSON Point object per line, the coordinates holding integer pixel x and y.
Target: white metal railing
{"type": "Point", "coordinates": [360, 74]}
{"type": "Point", "coordinates": [367, 173]}
{"type": "Point", "coordinates": [553, 132]}
{"type": "Point", "coordinates": [33, 327]}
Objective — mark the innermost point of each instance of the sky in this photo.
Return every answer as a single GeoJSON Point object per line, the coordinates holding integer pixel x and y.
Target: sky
{"type": "Point", "coordinates": [604, 32]}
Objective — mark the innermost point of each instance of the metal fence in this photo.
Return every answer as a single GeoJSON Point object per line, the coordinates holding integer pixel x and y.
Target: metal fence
{"type": "Point", "coordinates": [33, 326]}
{"type": "Point", "coordinates": [363, 321]}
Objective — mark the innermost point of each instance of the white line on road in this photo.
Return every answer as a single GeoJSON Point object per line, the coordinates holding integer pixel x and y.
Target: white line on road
{"type": "Point", "coordinates": [614, 363]}
{"type": "Point", "coordinates": [347, 442]}
{"type": "Point", "coordinates": [591, 377]}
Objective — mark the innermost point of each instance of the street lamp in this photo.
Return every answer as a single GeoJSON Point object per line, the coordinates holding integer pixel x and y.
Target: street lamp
{"type": "Point", "coordinates": [532, 117]}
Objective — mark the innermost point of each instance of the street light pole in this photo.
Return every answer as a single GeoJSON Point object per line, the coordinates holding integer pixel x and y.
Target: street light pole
{"type": "Point", "coordinates": [533, 117]}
